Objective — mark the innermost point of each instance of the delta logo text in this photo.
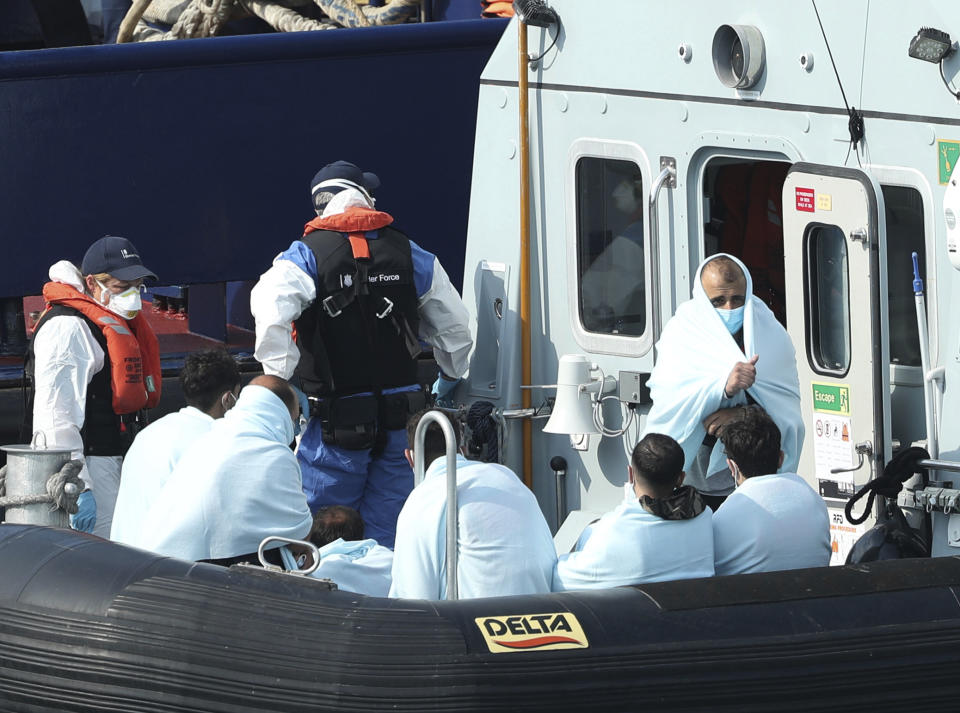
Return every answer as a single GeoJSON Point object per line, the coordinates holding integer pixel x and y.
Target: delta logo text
{"type": "Point", "coordinates": [532, 632]}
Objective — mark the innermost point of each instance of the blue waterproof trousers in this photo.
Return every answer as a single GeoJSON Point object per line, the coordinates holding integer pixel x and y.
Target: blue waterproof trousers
{"type": "Point", "coordinates": [375, 486]}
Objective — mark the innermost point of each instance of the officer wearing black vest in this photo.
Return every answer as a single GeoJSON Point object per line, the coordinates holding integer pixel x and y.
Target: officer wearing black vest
{"type": "Point", "coordinates": [362, 297]}
{"type": "Point", "coordinates": [95, 365]}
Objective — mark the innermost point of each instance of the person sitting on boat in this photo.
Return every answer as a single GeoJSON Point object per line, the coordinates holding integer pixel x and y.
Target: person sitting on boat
{"type": "Point", "coordinates": [236, 485]}
{"type": "Point", "coordinates": [505, 546]}
{"type": "Point", "coordinates": [773, 520]}
{"type": "Point", "coordinates": [356, 564]}
{"type": "Point", "coordinates": [362, 296]}
{"type": "Point", "coordinates": [663, 532]}
{"type": "Point", "coordinates": [95, 365]}
{"type": "Point", "coordinates": [721, 350]}
{"type": "Point", "coordinates": [211, 383]}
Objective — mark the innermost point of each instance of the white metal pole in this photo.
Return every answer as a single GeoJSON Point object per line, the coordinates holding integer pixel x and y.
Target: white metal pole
{"type": "Point", "coordinates": [933, 446]}
{"type": "Point", "coordinates": [418, 475]}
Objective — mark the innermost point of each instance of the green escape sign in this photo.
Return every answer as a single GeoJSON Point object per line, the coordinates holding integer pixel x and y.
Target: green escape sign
{"type": "Point", "coordinates": [831, 398]}
{"type": "Point", "coordinates": [948, 153]}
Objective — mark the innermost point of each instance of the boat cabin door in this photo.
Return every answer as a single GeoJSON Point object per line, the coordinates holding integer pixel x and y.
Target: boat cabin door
{"type": "Point", "coordinates": [834, 248]}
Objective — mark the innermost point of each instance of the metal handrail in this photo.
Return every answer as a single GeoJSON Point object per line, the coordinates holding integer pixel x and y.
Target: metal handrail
{"type": "Point", "coordinates": [419, 469]}
{"type": "Point", "coordinates": [935, 464]}
{"type": "Point", "coordinates": [665, 174]}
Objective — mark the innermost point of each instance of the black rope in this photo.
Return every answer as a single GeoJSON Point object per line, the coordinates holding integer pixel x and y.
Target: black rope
{"type": "Point", "coordinates": [483, 431]}
{"type": "Point", "coordinates": [900, 469]}
{"type": "Point", "coordinates": [855, 122]}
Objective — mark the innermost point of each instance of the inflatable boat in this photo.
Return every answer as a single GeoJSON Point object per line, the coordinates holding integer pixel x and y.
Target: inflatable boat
{"type": "Point", "coordinates": [90, 625]}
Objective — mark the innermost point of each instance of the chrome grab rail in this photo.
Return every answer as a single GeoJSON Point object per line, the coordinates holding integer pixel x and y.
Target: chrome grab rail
{"type": "Point", "coordinates": [418, 475]}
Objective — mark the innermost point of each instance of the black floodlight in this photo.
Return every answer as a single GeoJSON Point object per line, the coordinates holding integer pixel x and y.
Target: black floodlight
{"type": "Point", "coordinates": [535, 13]}
{"type": "Point", "coordinates": [738, 55]}
{"type": "Point", "coordinates": [930, 45]}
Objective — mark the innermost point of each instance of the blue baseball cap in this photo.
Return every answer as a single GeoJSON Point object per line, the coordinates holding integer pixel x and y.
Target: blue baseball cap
{"type": "Point", "coordinates": [115, 256]}
{"type": "Point", "coordinates": [345, 170]}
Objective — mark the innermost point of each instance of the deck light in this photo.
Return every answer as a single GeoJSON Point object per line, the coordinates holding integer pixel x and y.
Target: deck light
{"type": "Point", "coordinates": [535, 13]}
{"type": "Point", "coordinates": [930, 45]}
{"type": "Point", "coordinates": [738, 55]}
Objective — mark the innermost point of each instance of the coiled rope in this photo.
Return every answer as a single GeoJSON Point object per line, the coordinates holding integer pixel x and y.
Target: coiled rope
{"type": "Point", "coordinates": [483, 431]}
{"type": "Point", "coordinates": [58, 494]}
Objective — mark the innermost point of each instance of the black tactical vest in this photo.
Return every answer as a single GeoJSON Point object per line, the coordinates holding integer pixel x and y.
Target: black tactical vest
{"type": "Point", "coordinates": [361, 332]}
{"type": "Point", "coordinates": [104, 433]}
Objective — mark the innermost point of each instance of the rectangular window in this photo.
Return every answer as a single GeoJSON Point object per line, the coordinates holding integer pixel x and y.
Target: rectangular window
{"type": "Point", "coordinates": [828, 292]}
{"type": "Point", "coordinates": [610, 246]}
{"type": "Point", "coordinates": [905, 235]}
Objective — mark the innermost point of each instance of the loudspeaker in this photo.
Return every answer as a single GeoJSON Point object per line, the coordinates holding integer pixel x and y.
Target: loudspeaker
{"type": "Point", "coordinates": [573, 408]}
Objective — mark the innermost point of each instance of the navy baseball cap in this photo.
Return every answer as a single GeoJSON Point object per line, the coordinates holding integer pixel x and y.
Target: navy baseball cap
{"type": "Point", "coordinates": [115, 256]}
{"type": "Point", "coordinates": [345, 170]}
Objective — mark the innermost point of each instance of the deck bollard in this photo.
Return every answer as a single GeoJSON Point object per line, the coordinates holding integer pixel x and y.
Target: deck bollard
{"type": "Point", "coordinates": [26, 499]}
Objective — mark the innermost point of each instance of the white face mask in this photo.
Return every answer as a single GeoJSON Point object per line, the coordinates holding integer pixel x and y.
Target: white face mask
{"type": "Point", "coordinates": [628, 492]}
{"type": "Point", "coordinates": [126, 304]}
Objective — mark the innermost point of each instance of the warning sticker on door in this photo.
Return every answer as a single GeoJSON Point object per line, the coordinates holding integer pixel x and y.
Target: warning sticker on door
{"type": "Point", "coordinates": [843, 535]}
{"type": "Point", "coordinates": [831, 398]}
{"type": "Point", "coordinates": [833, 450]}
{"type": "Point", "coordinates": [805, 200]}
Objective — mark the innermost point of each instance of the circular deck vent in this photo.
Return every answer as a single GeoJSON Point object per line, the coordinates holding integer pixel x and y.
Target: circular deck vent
{"type": "Point", "coordinates": [738, 55]}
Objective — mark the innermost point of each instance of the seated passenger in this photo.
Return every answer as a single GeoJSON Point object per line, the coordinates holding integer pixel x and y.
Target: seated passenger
{"type": "Point", "coordinates": [505, 545]}
{"type": "Point", "coordinates": [772, 520]}
{"type": "Point", "coordinates": [355, 564]}
{"type": "Point", "coordinates": [236, 485]}
{"type": "Point", "coordinates": [211, 382]}
{"type": "Point", "coordinates": [661, 533]}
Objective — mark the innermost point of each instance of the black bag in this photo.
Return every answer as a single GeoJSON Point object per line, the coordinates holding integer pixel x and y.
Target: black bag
{"type": "Point", "coordinates": [350, 423]}
{"type": "Point", "coordinates": [891, 539]}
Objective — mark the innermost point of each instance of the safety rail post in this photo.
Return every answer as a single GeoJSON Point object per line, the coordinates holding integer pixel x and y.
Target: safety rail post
{"type": "Point", "coordinates": [419, 469]}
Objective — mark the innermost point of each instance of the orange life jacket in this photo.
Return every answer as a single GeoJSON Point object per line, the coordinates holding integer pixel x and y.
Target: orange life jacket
{"type": "Point", "coordinates": [133, 352]}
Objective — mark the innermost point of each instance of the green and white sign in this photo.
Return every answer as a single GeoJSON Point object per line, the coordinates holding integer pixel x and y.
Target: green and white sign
{"type": "Point", "coordinates": [831, 398]}
{"type": "Point", "coordinates": [948, 153]}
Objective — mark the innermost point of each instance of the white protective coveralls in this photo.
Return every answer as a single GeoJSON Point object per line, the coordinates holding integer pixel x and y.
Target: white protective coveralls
{"type": "Point", "coordinates": [360, 566]}
{"type": "Point", "coordinates": [629, 545]}
{"type": "Point", "coordinates": [67, 356]}
{"type": "Point", "coordinates": [505, 544]}
{"type": "Point", "coordinates": [374, 483]}
{"type": "Point", "coordinates": [771, 522]}
{"type": "Point", "coordinates": [155, 452]}
{"type": "Point", "coordinates": [696, 354]}
{"type": "Point", "coordinates": [233, 487]}
{"type": "Point", "coordinates": [285, 290]}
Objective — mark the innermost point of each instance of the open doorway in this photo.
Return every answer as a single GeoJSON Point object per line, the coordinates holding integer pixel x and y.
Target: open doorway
{"type": "Point", "coordinates": [743, 217]}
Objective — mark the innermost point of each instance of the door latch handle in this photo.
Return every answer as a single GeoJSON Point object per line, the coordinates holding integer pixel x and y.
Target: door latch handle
{"type": "Point", "coordinates": [859, 236]}
{"type": "Point", "coordinates": [864, 448]}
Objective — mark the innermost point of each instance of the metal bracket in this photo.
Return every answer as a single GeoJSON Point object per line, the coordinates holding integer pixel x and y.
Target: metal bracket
{"type": "Point", "coordinates": [671, 163]}
{"type": "Point", "coordinates": [859, 236]}
{"type": "Point", "coordinates": [862, 449]}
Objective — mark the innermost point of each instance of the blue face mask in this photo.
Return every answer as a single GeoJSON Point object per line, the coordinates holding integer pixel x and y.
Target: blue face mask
{"type": "Point", "coordinates": [732, 318]}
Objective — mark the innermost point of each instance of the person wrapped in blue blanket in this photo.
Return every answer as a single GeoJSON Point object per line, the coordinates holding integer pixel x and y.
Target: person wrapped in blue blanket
{"type": "Point", "coordinates": [722, 350]}
{"type": "Point", "coordinates": [661, 531]}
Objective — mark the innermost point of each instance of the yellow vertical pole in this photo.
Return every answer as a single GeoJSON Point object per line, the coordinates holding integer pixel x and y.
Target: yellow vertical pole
{"type": "Point", "coordinates": [525, 292]}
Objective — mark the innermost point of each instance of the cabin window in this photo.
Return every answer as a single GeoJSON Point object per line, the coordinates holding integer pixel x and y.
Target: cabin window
{"type": "Point", "coordinates": [828, 292]}
{"type": "Point", "coordinates": [905, 235]}
{"type": "Point", "coordinates": [610, 246]}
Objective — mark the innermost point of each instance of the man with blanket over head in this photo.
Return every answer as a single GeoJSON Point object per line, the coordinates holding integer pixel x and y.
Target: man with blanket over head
{"type": "Point", "coordinates": [234, 486]}
{"type": "Point", "coordinates": [722, 350]}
